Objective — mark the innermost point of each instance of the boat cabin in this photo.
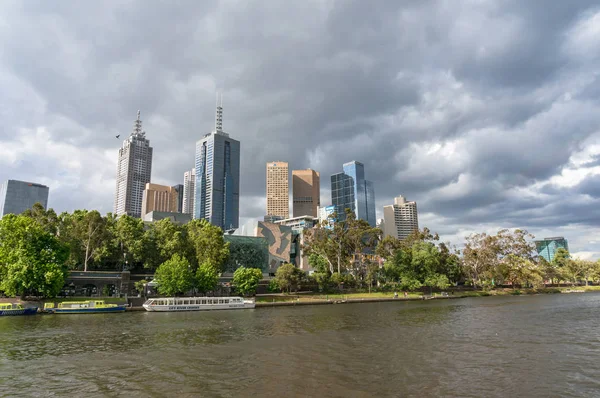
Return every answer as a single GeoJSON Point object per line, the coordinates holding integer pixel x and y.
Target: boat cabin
{"type": "Point", "coordinates": [10, 306]}
{"type": "Point", "coordinates": [196, 301]}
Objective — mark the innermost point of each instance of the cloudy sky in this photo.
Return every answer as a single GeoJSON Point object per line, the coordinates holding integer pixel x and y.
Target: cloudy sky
{"type": "Point", "coordinates": [484, 112]}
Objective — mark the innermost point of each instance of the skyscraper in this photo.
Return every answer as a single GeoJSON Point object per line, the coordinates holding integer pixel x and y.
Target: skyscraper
{"type": "Point", "coordinates": [18, 196]}
{"type": "Point", "coordinates": [218, 177]}
{"type": "Point", "coordinates": [189, 191]}
{"type": "Point", "coordinates": [179, 189]}
{"type": "Point", "coordinates": [134, 168]}
{"type": "Point", "coordinates": [278, 189]}
{"type": "Point", "coordinates": [350, 190]}
{"type": "Point", "coordinates": [400, 219]}
{"type": "Point", "coordinates": [160, 198]}
{"type": "Point", "coordinates": [306, 192]}
{"type": "Point", "coordinates": [547, 247]}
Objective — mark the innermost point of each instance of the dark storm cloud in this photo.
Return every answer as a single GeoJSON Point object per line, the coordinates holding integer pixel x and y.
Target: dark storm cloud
{"type": "Point", "coordinates": [462, 106]}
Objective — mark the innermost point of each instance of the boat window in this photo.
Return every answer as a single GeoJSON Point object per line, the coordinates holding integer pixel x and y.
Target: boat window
{"type": "Point", "coordinates": [186, 302]}
{"type": "Point", "coordinates": [203, 301]}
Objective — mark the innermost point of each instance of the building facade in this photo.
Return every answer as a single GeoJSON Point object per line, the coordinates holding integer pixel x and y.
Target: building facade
{"type": "Point", "coordinates": [18, 196]}
{"type": "Point", "coordinates": [160, 198]}
{"type": "Point", "coordinates": [134, 168]}
{"type": "Point", "coordinates": [179, 189]}
{"type": "Point", "coordinates": [177, 218]}
{"type": "Point", "coordinates": [306, 192]}
{"type": "Point", "coordinates": [547, 247]}
{"type": "Point", "coordinates": [217, 198]}
{"type": "Point", "coordinates": [350, 190]}
{"type": "Point", "coordinates": [189, 191]}
{"type": "Point", "coordinates": [278, 189]}
{"type": "Point", "coordinates": [400, 219]}
{"type": "Point", "coordinates": [299, 225]}
{"type": "Point", "coordinates": [279, 238]}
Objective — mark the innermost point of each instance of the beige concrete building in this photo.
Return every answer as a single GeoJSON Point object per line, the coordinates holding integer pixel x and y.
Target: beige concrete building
{"type": "Point", "coordinates": [400, 219]}
{"type": "Point", "coordinates": [159, 198]}
{"type": "Point", "coordinates": [278, 189]}
{"type": "Point", "coordinates": [306, 191]}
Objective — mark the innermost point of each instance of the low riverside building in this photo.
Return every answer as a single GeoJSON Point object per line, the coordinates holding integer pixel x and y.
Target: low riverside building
{"type": "Point", "coordinates": [179, 218]}
{"type": "Point", "coordinates": [279, 237]}
{"type": "Point", "coordinates": [247, 251]}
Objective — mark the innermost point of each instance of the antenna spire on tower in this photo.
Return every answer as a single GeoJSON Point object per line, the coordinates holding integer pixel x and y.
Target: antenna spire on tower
{"type": "Point", "coordinates": [219, 115]}
{"type": "Point", "coordinates": [137, 125]}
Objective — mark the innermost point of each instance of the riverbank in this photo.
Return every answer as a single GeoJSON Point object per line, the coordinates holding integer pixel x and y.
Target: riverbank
{"type": "Point", "coordinates": [309, 299]}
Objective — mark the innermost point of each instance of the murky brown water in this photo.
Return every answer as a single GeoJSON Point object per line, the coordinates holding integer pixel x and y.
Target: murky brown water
{"type": "Point", "coordinates": [540, 346]}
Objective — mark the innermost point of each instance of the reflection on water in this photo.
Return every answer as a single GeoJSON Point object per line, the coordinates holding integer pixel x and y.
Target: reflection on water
{"type": "Point", "coordinates": [492, 346]}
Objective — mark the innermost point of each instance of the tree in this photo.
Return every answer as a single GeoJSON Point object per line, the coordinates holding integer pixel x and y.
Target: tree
{"type": "Point", "coordinates": [174, 276]}
{"type": "Point", "coordinates": [208, 243]}
{"type": "Point", "coordinates": [206, 278]}
{"type": "Point", "coordinates": [32, 260]}
{"type": "Point", "coordinates": [165, 238]}
{"type": "Point", "coordinates": [387, 247]}
{"type": "Point", "coordinates": [88, 235]}
{"type": "Point", "coordinates": [561, 257]}
{"type": "Point", "coordinates": [437, 281]}
{"type": "Point", "coordinates": [288, 277]}
{"type": "Point", "coordinates": [128, 239]}
{"type": "Point", "coordinates": [246, 280]}
{"type": "Point", "coordinates": [47, 219]}
{"type": "Point", "coordinates": [480, 257]}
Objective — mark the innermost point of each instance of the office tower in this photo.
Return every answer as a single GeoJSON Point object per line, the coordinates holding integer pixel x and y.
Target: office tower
{"type": "Point", "coordinates": [218, 177]}
{"type": "Point", "coordinates": [306, 192]}
{"type": "Point", "coordinates": [400, 219]}
{"type": "Point", "coordinates": [159, 198]}
{"type": "Point", "coordinates": [18, 196]}
{"type": "Point", "coordinates": [179, 189]}
{"type": "Point", "coordinates": [278, 189]}
{"type": "Point", "coordinates": [134, 168]}
{"type": "Point", "coordinates": [547, 247]}
{"type": "Point", "coordinates": [350, 190]}
{"type": "Point", "coordinates": [189, 191]}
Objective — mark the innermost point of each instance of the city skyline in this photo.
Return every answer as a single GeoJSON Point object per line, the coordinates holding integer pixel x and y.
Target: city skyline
{"type": "Point", "coordinates": [483, 131]}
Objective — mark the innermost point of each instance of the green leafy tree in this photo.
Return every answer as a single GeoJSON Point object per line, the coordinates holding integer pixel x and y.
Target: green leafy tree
{"type": "Point", "coordinates": [206, 278]}
{"type": "Point", "coordinates": [436, 281]}
{"type": "Point", "coordinates": [288, 277]}
{"type": "Point", "coordinates": [129, 242]}
{"type": "Point", "coordinates": [561, 257]}
{"type": "Point", "coordinates": [46, 218]}
{"type": "Point", "coordinates": [163, 239]}
{"type": "Point", "coordinates": [246, 280]}
{"type": "Point", "coordinates": [140, 286]}
{"type": "Point", "coordinates": [174, 276]}
{"type": "Point", "coordinates": [480, 258]}
{"type": "Point", "coordinates": [208, 243]}
{"type": "Point", "coordinates": [88, 236]}
{"type": "Point", "coordinates": [32, 260]}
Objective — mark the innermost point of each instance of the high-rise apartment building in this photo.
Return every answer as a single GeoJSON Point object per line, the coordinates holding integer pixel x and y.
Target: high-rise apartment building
{"type": "Point", "coordinates": [18, 196]}
{"type": "Point", "coordinates": [179, 189]}
{"type": "Point", "coordinates": [189, 191]}
{"type": "Point", "coordinates": [400, 219]}
{"type": "Point", "coordinates": [218, 177]}
{"type": "Point", "coordinates": [306, 192]}
{"type": "Point", "coordinates": [350, 190]}
{"type": "Point", "coordinates": [134, 168]}
{"type": "Point", "coordinates": [160, 198]}
{"type": "Point", "coordinates": [547, 247]}
{"type": "Point", "coordinates": [278, 189]}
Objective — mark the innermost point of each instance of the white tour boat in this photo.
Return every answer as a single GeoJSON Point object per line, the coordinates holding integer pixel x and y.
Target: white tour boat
{"type": "Point", "coordinates": [197, 303]}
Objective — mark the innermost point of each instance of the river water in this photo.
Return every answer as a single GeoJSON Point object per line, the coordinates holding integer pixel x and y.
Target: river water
{"type": "Point", "coordinates": [530, 346]}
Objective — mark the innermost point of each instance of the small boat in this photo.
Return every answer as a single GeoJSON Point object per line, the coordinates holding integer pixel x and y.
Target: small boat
{"type": "Point", "coordinates": [12, 309]}
{"type": "Point", "coordinates": [83, 307]}
{"type": "Point", "coordinates": [167, 304]}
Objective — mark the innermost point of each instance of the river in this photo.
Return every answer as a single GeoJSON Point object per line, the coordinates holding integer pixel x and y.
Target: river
{"type": "Point", "coordinates": [531, 346]}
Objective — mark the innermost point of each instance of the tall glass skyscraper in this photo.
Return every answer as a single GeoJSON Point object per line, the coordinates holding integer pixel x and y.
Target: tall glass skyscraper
{"type": "Point", "coordinates": [218, 177]}
{"type": "Point", "coordinates": [350, 190]}
{"type": "Point", "coordinates": [18, 196]}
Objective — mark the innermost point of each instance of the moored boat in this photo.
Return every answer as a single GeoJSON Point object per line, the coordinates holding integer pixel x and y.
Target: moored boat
{"type": "Point", "coordinates": [83, 307]}
{"type": "Point", "coordinates": [166, 304]}
{"type": "Point", "coordinates": [13, 309]}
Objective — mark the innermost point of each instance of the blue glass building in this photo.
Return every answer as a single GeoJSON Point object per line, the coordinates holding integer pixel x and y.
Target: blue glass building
{"type": "Point", "coordinates": [548, 246]}
{"type": "Point", "coordinates": [18, 196]}
{"type": "Point", "coordinates": [350, 190]}
{"type": "Point", "coordinates": [218, 178]}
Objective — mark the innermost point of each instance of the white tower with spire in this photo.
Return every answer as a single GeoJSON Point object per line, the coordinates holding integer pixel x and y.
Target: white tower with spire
{"type": "Point", "coordinates": [134, 168]}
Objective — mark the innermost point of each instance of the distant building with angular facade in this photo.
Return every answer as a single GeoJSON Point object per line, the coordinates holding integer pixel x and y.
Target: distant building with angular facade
{"type": "Point", "coordinates": [18, 196]}
{"type": "Point", "coordinates": [350, 190]}
{"type": "Point", "coordinates": [134, 168]}
{"type": "Point", "coordinates": [548, 247]}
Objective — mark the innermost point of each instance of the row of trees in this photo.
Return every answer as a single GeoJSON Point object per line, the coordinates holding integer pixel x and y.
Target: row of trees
{"type": "Point", "coordinates": [344, 254]}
